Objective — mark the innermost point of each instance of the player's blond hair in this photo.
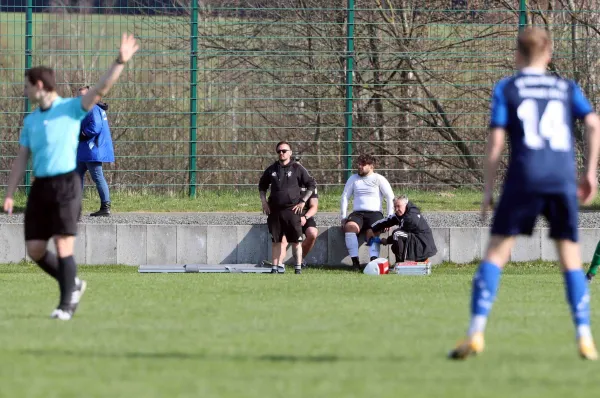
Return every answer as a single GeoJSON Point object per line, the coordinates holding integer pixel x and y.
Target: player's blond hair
{"type": "Point", "coordinates": [533, 43]}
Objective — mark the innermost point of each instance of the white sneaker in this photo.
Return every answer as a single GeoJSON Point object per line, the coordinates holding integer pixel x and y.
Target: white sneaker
{"type": "Point", "coordinates": [61, 314]}
{"type": "Point", "coordinates": [78, 292]}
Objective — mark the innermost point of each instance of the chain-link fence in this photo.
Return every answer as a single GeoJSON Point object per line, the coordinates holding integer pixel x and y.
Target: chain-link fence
{"type": "Point", "coordinates": [218, 82]}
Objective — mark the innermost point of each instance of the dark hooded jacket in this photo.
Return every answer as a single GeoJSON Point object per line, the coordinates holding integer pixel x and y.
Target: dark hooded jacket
{"type": "Point", "coordinates": [420, 243]}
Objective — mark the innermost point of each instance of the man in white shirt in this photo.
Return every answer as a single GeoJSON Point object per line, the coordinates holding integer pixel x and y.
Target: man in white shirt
{"type": "Point", "coordinates": [368, 189]}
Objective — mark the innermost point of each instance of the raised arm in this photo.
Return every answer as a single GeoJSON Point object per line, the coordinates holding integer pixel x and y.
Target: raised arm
{"type": "Point", "coordinates": [128, 47]}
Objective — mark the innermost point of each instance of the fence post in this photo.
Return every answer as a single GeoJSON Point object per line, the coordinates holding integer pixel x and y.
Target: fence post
{"type": "Point", "coordinates": [28, 49]}
{"type": "Point", "coordinates": [349, 95]}
{"type": "Point", "coordinates": [193, 96]}
{"type": "Point", "coordinates": [522, 14]}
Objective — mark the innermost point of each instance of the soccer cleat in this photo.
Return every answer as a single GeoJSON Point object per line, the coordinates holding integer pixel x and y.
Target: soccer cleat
{"type": "Point", "coordinates": [587, 348]}
{"type": "Point", "coordinates": [266, 264]}
{"type": "Point", "coordinates": [470, 346]}
{"type": "Point", "coordinates": [77, 294]}
{"type": "Point", "coordinates": [589, 276]}
{"type": "Point", "coordinates": [62, 314]}
{"type": "Point", "coordinates": [278, 270]}
{"type": "Point", "coordinates": [373, 258]}
{"type": "Point", "coordinates": [303, 264]}
{"type": "Point", "coordinates": [297, 271]}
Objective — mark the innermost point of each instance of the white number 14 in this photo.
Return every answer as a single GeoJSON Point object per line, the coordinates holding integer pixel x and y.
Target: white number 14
{"type": "Point", "coordinates": [552, 126]}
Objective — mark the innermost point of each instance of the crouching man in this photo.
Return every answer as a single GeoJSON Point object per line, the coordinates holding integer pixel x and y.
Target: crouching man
{"type": "Point", "coordinates": [413, 239]}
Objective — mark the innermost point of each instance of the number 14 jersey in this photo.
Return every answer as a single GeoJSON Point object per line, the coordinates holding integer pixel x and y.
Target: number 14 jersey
{"type": "Point", "coordinates": [538, 112]}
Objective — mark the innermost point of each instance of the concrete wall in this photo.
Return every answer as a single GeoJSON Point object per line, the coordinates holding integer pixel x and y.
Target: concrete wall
{"type": "Point", "coordinates": [214, 244]}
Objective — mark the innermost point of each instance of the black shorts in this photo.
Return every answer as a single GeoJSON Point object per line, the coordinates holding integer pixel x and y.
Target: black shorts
{"type": "Point", "coordinates": [53, 207]}
{"type": "Point", "coordinates": [365, 219]}
{"type": "Point", "coordinates": [309, 223]}
{"type": "Point", "coordinates": [284, 222]}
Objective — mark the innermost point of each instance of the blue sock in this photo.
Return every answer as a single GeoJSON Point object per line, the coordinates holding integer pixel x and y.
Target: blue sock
{"type": "Point", "coordinates": [579, 300]}
{"type": "Point", "coordinates": [485, 286]}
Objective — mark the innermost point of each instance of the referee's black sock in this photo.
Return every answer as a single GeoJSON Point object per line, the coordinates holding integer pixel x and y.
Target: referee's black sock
{"type": "Point", "coordinates": [49, 263]}
{"type": "Point", "coordinates": [67, 271]}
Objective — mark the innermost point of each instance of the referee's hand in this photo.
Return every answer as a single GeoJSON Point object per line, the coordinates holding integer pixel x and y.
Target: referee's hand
{"type": "Point", "coordinates": [8, 205]}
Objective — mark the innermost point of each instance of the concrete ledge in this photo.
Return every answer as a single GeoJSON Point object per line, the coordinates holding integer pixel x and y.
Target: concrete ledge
{"type": "Point", "coordinates": [139, 244]}
{"type": "Point", "coordinates": [465, 244]}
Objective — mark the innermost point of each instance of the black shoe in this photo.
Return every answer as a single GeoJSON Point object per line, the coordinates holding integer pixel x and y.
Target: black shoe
{"type": "Point", "coordinates": [104, 210]}
{"type": "Point", "coordinates": [278, 270]}
{"type": "Point", "coordinates": [373, 258]}
{"type": "Point", "coordinates": [297, 271]}
{"type": "Point", "coordinates": [589, 276]}
{"type": "Point", "coordinates": [303, 265]}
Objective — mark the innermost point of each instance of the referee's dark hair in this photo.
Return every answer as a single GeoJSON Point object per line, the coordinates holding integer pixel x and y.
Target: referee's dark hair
{"type": "Point", "coordinates": [365, 159]}
{"type": "Point", "coordinates": [283, 143]}
{"type": "Point", "coordinates": [42, 74]}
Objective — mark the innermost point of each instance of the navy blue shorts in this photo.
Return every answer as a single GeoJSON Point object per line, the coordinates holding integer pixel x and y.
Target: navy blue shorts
{"type": "Point", "coordinates": [516, 214]}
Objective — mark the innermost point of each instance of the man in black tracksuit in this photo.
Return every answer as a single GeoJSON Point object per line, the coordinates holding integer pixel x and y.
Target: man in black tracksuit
{"type": "Point", "coordinates": [413, 240]}
{"type": "Point", "coordinates": [286, 178]}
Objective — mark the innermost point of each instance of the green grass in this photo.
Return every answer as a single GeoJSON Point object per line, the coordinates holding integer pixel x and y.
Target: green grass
{"type": "Point", "coordinates": [247, 200]}
{"type": "Point", "coordinates": [321, 334]}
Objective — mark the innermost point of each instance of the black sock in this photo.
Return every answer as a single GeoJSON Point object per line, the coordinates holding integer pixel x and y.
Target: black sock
{"type": "Point", "coordinates": [49, 263]}
{"type": "Point", "coordinates": [355, 262]}
{"type": "Point", "coordinates": [67, 271]}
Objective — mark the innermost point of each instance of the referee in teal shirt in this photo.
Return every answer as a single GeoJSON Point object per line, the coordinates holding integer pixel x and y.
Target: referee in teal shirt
{"type": "Point", "coordinates": [50, 136]}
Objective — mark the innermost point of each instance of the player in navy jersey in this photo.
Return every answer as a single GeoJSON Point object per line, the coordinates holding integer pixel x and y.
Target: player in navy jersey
{"type": "Point", "coordinates": [537, 111]}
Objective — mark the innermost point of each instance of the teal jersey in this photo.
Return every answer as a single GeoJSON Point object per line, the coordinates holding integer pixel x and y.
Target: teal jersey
{"type": "Point", "coordinates": [52, 136]}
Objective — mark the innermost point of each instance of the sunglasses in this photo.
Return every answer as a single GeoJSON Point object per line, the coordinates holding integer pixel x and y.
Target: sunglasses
{"type": "Point", "coordinates": [282, 150]}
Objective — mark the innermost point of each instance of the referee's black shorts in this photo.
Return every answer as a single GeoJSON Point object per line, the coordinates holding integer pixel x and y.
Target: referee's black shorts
{"type": "Point", "coordinates": [284, 222]}
{"type": "Point", "coordinates": [53, 207]}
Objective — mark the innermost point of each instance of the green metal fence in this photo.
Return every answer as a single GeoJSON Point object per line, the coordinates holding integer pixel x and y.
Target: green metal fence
{"type": "Point", "coordinates": [218, 82]}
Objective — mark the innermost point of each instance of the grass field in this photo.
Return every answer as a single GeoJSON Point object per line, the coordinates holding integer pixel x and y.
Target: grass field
{"type": "Point", "coordinates": [247, 200]}
{"type": "Point", "coordinates": [320, 334]}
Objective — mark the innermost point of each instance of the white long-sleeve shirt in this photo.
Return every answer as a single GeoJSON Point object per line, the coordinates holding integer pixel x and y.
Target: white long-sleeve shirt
{"type": "Point", "coordinates": [368, 193]}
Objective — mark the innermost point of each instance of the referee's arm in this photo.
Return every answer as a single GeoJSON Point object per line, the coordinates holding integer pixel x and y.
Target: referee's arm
{"type": "Point", "coordinates": [128, 47]}
{"type": "Point", "coordinates": [17, 171]}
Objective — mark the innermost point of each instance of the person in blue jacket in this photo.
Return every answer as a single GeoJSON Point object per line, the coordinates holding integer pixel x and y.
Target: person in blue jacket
{"type": "Point", "coordinates": [95, 147]}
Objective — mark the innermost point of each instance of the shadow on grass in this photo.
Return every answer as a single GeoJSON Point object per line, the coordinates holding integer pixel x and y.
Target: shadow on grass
{"type": "Point", "coordinates": [209, 357]}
